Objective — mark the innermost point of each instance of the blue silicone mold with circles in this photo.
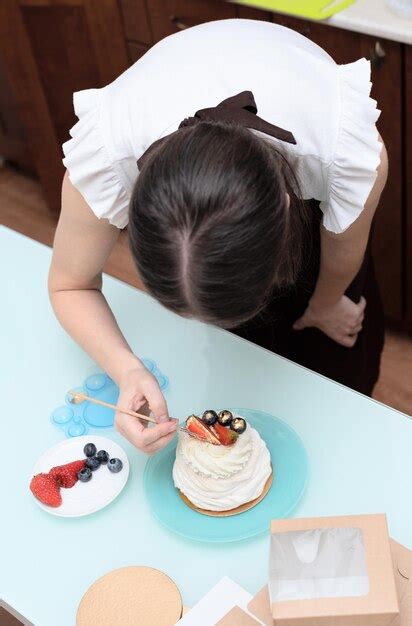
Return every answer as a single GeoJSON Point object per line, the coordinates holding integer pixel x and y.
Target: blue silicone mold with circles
{"type": "Point", "coordinates": [77, 419]}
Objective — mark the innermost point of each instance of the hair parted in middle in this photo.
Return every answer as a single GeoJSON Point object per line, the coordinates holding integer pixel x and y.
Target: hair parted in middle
{"type": "Point", "coordinates": [216, 223]}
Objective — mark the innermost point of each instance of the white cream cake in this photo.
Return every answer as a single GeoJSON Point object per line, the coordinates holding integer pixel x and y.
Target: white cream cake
{"type": "Point", "coordinates": [222, 477]}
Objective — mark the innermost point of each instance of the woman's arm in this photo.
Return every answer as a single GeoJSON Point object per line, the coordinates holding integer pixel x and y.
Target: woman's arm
{"type": "Point", "coordinates": [82, 246]}
{"type": "Point", "coordinates": [341, 258]}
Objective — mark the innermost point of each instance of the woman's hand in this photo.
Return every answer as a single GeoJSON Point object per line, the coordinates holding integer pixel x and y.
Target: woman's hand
{"type": "Point", "coordinates": [140, 392]}
{"type": "Point", "coordinates": [342, 321]}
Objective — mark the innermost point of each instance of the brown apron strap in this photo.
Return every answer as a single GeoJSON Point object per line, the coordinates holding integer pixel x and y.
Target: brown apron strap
{"type": "Point", "coordinates": [240, 109]}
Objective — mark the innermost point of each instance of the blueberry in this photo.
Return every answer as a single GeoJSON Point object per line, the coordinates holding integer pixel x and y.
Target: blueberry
{"type": "Point", "coordinates": [93, 463]}
{"type": "Point", "coordinates": [103, 456]}
{"type": "Point", "coordinates": [225, 418]}
{"type": "Point", "coordinates": [115, 465]}
{"type": "Point", "coordinates": [90, 449]}
{"type": "Point", "coordinates": [238, 424]}
{"type": "Point", "coordinates": [209, 417]}
{"type": "Point", "coordinates": [84, 475]}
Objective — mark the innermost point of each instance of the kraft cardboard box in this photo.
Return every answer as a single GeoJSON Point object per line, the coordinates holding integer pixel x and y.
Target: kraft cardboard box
{"type": "Point", "coordinates": [334, 571]}
{"type": "Point", "coordinates": [402, 561]}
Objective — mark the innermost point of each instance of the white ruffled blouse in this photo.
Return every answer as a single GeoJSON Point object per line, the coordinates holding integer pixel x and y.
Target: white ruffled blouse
{"type": "Point", "coordinates": [296, 85]}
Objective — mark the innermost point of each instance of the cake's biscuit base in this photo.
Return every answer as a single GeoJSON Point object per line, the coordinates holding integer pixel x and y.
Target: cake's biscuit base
{"type": "Point", "coordinates": [239, 509]}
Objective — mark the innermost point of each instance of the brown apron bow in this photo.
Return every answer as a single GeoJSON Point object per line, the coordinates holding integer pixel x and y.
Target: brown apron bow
{"type": "Point", "coordinates": [240, 109]}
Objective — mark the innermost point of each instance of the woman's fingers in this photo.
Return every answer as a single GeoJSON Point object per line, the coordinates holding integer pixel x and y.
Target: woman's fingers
{"type": "Point", "coordinates": [130, 427]}
{"type": "Point", "coordinates": [342, 321]}
{"type": "Point", "coordinates": [159, 444]}
{"type": "Point", "coordinates": [140, 406]}
{"type": "Point", "coordinates": [347, 340]}
{"type": "Point", "coordinates": [140, 391]}
{"type": "Point", "coordinates": [154, 433]}
{"type": "Point", "coordinates": [156, 400]}
{"type": "Point", "coordinates": [361, 310]}
{"type": "Point", "coordinates": [140, 436]}
{"type": "Point", "coordinates": [299, 324]}
{"type": "Point", "coordinates": [356, 327]}
{"type": "Point", "coordinates": [356, 316]}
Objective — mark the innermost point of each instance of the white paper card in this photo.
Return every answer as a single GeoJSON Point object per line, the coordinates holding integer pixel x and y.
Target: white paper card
{"type": "Point", "coordinates": [217, 603]}
{"type": "Point", "coordinates": [321, 563]}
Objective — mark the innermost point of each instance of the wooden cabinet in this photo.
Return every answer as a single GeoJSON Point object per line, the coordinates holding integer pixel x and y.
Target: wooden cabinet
{"type": "Point", "coordinates": [247, 13]}
{"type": "Point", "coordinates": [136, 50]}
{"type": "Point", "coordinates": [136, 22]}
{"type": "Point", "coordinates": [137, 28]}
{"type": "Point", "coordinates": [407, 168]}
{"type": "Point", "coordinates": [13, 140]}
{"type": "Point", "coordinates": [49, 49]}
{"type": "Point", "coordinates": [170, 16]}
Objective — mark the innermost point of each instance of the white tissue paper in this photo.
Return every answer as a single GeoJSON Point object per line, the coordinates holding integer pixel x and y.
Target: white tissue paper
{"type": "Point", "coordinates": [217, 603]}
{"type": "Point", "coordinates": [321, 563]}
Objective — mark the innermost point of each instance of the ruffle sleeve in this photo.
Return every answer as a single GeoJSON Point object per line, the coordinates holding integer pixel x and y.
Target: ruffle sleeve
{"type": "Point", "coordinates": [87, 160]}
{"type": "Point", "coordinates": [353, 168]}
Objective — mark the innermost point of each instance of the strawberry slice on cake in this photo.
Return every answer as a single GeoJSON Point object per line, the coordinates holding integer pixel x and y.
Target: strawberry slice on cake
{"type": "Point", "coordinates": [201, 430]}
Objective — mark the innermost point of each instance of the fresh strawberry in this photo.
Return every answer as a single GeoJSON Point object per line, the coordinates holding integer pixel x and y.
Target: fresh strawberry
{"type": "Point", "coordinates": [46, 489]}
{"type": "Point", "coordinates": [199, 428]}
{"type": "Point", "coordinates": [226, 436]}
{"type": "Point", "coordinates": [66, 475]}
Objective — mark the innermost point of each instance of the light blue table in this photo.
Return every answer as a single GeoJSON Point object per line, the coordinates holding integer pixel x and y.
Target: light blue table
{"type": "Point", "coordinates": [359, 450]}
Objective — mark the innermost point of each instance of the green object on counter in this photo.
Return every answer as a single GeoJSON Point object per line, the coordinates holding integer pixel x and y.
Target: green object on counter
{"type": "Point", "coordinates": [313, 9]}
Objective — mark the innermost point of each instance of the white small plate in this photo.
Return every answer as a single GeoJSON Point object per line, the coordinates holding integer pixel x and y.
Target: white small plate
{"type": "Point", "coordinates": [84, 498]}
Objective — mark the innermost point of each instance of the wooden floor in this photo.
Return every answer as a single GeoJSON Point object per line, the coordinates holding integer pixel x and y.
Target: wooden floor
{"type": "Point", "coordinates": [22, 208]}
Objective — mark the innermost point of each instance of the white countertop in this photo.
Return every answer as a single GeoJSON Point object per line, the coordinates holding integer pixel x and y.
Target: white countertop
{"type": "Point", "coordinates": [374, 17]}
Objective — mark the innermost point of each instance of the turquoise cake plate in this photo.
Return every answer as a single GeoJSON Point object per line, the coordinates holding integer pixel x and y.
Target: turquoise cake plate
{"type": "Point", "coordinates": [291, 471]}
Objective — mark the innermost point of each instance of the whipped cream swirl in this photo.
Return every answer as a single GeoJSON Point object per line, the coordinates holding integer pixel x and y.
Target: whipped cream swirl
{"type": "Point", "coordinates": [219, 478]}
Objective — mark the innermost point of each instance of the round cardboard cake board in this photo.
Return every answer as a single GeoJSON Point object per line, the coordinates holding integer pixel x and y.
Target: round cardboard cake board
{"type": "Point", "coordinates": [130, 596]}
{"type": "Point", "coordinates": [239, 509]}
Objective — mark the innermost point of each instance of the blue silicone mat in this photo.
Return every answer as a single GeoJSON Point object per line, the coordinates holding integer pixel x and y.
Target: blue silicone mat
{"type": "Point", "coordinates": [78, 419]}
{"type": "Point", "coordinates": [291, 471]}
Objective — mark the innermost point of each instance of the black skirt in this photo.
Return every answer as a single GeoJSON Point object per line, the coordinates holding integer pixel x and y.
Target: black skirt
{"type": "Point", "coordinates": [356, 367]}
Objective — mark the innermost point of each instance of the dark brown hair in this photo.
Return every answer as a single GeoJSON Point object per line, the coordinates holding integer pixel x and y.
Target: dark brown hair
{"type": "Point", "coordinates": [211, 231]}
